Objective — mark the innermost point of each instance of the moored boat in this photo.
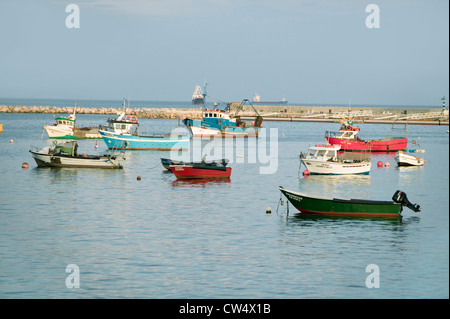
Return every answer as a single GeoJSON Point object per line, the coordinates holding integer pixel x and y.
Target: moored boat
{"type": "Point", "coordinates": [66, 155]}
{"type": "Point", "coordinates": [167, 162]}
{"type": "Point", "coordinates": [349, 141]}
{"type": "Point", "coordinates": [325, 160]}
{"type": "Point", "coordinates": [404, 159]}
{"type": "Point", "coordinates": [200, 171]}
{"type": "Point", "coordinates": [65, 128]}
{"type": "Point", "coordinates": [308, 204]}
{"type": "Point", "coordinates": [122, 133]}
{"type": "Point", "coordinates": [222, 123]}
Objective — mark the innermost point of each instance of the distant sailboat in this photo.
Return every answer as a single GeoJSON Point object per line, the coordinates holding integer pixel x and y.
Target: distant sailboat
{"type": "Point", "coordinates": [198, 97]}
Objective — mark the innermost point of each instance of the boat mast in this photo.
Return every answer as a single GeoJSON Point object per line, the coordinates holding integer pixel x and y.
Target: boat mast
{"type": "Point", "coordinates": [204, 95]}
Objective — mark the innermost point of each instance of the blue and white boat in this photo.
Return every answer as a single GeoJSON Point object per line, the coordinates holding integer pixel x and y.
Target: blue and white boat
{"type": "Point", "coordinates": [222, 123]}
{"type": "Point", "coordinates": [122, 133]}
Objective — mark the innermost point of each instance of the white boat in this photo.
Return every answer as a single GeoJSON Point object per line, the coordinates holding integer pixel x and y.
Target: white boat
{"type": "Point", "coordinates": [65, 155]}
{"type": "Point", "coordinates": [324, 159]}
{"type": "Point", "coordinates": [65, 128]}
{"type": "Point", "coordinates": [404, 159]}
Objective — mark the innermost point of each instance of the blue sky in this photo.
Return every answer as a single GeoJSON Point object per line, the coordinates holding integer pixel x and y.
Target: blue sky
{"type": "Point", "coordinates": [307, 51]}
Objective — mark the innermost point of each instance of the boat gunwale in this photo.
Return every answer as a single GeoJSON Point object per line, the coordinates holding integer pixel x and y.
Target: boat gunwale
{"type": "Point", "coordinates": [87, 157]}
{"type": "Point", "coordinates": [340, 200]}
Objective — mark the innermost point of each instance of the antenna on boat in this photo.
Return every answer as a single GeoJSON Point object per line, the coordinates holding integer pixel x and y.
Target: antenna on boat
{"type": "Point", "coordinates": [124, 103]}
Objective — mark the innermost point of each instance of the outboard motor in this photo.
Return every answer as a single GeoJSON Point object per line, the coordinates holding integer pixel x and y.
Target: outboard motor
{"type": "Point", "coordinates": [400, 197]}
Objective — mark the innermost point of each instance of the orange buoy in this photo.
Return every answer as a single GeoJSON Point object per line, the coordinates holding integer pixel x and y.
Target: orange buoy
{"type": "Point", "coordinates": [11, 141]}
{"type": "Point", "coordinates": [380, 164]}
{"type": "Point", "coordinates": [24, 165]}
{"type": "Point", "coordinates": [387, 164]}
{"type": "Point", "coordinates": [306, 172]}
{"type": "Point", "coordinates": [138, 178]}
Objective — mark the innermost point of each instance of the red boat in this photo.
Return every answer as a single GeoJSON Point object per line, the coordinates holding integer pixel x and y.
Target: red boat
{"type": "Point", "coordinates": [200, 171]}
{"type": "Point", "coordinates": [346, 137]}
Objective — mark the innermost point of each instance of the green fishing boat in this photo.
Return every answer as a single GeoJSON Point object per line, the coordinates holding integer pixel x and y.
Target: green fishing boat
{"type": "Point", "coordinates": [307, 204]}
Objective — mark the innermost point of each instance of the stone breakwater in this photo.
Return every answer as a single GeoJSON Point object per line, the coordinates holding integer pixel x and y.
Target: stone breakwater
{"type": "Point", "coordinates": [269, 113]}
{"type": "Point", "coordinates": [154, 113]}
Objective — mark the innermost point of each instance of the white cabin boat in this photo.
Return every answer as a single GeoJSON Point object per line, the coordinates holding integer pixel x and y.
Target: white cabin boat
{"type": "Point", "coordinates": [404, 159]}
{"type": "Point", "coordinates": [66, 155]}
{"type": "Point", "coordinates": [324, 159]}
{"type": "Point", "coordinates": [64, 127]}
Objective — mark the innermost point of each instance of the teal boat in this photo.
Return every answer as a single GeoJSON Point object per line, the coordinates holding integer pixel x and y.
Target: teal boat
{"type": "Point", "coordinates": [307, 204]}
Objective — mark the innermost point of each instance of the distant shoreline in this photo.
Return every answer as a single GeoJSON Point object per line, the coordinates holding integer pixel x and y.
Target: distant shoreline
{"type": "Point", "coordinates": [283, 113]}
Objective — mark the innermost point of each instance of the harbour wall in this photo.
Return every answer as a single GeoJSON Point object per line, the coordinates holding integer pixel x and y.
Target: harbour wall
{"type": "Point", "coordinates": [375, 115]}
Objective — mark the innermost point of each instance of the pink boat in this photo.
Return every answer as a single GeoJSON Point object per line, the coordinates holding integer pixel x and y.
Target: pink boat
{"type": "Point", "coordinates": [346, 137]}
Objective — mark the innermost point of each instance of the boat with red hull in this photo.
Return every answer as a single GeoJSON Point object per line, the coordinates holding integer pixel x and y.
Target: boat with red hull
{"type": "Point", "coordinates": [346, 137]}
{"type": "Point", "coordinates": [200, 172]}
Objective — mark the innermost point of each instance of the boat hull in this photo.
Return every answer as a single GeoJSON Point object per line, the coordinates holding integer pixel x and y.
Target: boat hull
{"type": "Point", "coordinates": [342, 207]}
{"type": "Point", "coordinates": [336, 168]}
{"type": "Point", "coordinates": [132, 142]}
{"type": "Point", "coordinates": [47, 160]}
{"type": "Point", "coordinates": [58, 132]}
{"type": "Point", "coordinates": [382, 145]}
{"type": "Point", "coordinates": [404, 159]}
{"type": "Point", "coordinates": [189, 172]}
{"type": "Point", "coordinates": [198, 101]}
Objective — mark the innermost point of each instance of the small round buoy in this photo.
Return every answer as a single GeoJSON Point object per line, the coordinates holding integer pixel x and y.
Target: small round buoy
{"type": "Point", "coordinates": [387, 164]}
{"type": "Point", "coordinates": [424, 161]}
{"type": "Point", "coordinates": [138, 178]}
{"type": "Point", "coordinates": [306, 172]}
{"type": "Point", "coordinates": [380, 164]}
{"type": "Point", "coordinates": [24, 165]}
{"type": "Point", "coordinates": [11, 141]}
{"type": "Point", "coordinates": [268, 210]}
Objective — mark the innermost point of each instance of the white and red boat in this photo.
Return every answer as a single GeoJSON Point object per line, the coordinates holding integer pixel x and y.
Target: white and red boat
{"type": "Point", "coordinates": [346, 137]}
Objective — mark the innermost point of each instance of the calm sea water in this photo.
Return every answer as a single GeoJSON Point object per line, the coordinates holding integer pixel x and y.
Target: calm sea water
{"type": "Point", "coordinates": [160, 238]}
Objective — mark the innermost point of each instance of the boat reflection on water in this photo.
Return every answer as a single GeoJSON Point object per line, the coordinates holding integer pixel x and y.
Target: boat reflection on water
{"type": "Point", "coordinates": [340, 186]}
{"type": "Point", "coordinates": [313, 220]}
{"type": "Point", "coordinates": [332, 181]}
{"type": "Point", "coordinates": [200, 182]}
